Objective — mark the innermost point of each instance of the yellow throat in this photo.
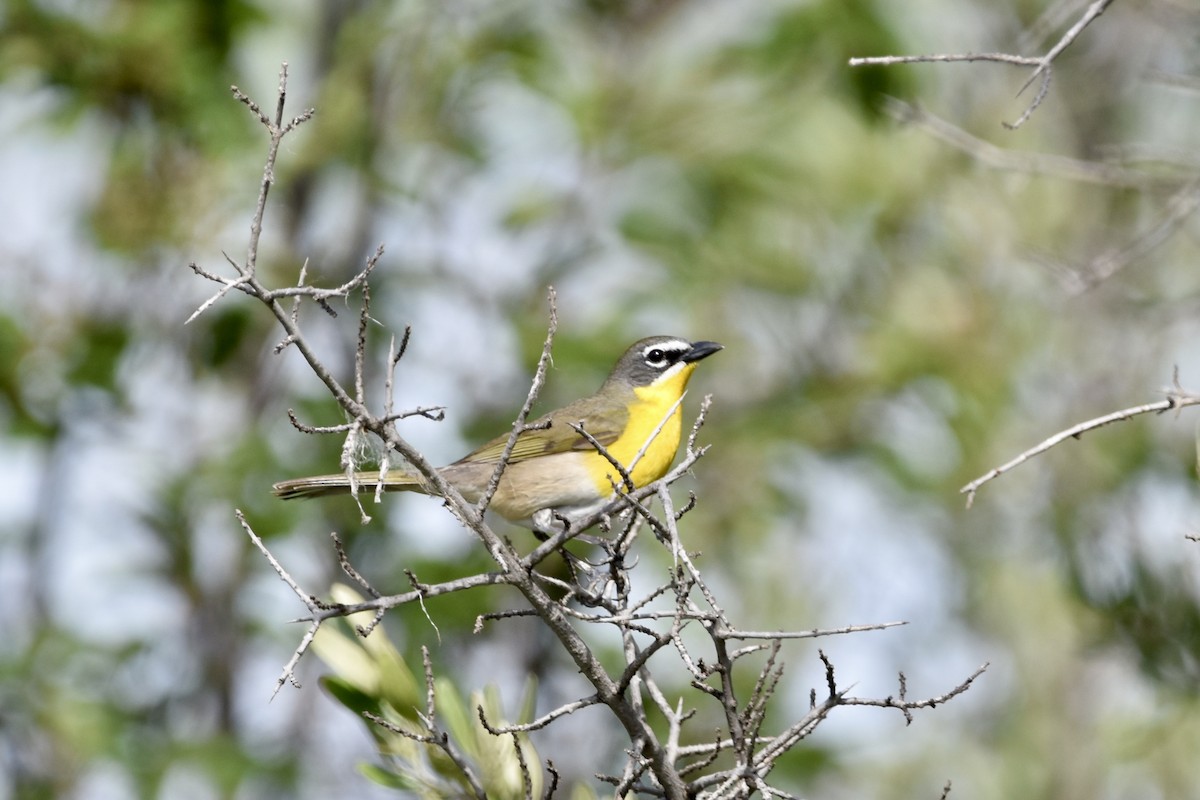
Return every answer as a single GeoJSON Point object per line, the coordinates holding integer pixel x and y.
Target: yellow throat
{"type": "Point", "coordinates": [649, 427]}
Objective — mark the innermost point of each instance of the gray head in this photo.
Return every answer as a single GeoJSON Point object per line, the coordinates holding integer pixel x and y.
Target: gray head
{"type": "Point", "coordinates": [659, 358]}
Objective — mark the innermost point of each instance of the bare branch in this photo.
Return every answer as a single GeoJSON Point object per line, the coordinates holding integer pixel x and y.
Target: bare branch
{"type": "Point", "coordinates": [311, 603]}
{"type": "Point", "coordinates": [353, 574]}
{"type": "Point", "coordinates": [755, 713]}
{"type": "Point", "coordinates": [420, 589]}
{"type": "Point", "coordinates": [312, 429]}
{"type": "Point", "coordinates": [526, 776]}
{"type": "Point", "coordinates": [1179, 207]}
{"type": "Point", "coordinates": [1023, 162]}
{"type": "Point", "coordinates": [1177, 398]}
{"type": "Point", "coordinates": [1002, 58]}
{"type": "Point", "coordinates": [1093, 11]}
{"type": "Point", "coordinates": [434, 413]}
{"type": "Point", "coordinates": [626, 478]}
{"type": "Point", "coordinates": [908, 706]}
{"type": "Point", "coordinates": [815, 633]}
{"type": "Point", "coordinates": [552, 786]}
{"type": "Point", "coordinates": [227, 287]}
{"type": "Point", "coordinates": [426, 592]}
{"type": "Point", "coordinates": [277, 132]}
{"type": "Point", "coordinates": [540, 722]}
{"type": "Point", "coordinates": [1043, 64]}
{"type": "Point", "coordinates": [535, 388]}
{"type": "Point", "coordinates": [287, 340]}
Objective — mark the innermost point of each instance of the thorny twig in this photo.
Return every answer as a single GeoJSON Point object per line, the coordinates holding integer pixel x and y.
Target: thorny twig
{"type": "Point", "coordinates": [1177, 398]}
{"type": "Point", "coordinates": [651, 622]}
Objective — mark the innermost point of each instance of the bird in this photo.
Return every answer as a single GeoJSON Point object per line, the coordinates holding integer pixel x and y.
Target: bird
{"type": "Point", "coordinates": [555, 476]}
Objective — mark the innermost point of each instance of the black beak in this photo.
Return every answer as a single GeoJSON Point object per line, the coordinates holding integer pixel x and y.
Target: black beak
{"type": "Point", "coordinates": [701, 350]}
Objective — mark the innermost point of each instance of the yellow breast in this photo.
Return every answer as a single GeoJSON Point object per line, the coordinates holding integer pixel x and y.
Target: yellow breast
{"type": "Point", "coordinates": [653, 406]}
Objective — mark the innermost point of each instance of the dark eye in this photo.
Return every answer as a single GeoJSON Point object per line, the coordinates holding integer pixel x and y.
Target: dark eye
{"type": "Point", "coordinates": [656, 357]}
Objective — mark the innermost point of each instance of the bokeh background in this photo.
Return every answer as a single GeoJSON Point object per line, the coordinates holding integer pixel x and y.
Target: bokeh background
{"type": "Point", "coordinates": [899, 317]}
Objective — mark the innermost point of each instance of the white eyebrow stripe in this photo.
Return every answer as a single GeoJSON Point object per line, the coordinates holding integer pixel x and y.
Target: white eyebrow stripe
{"type": "Point", "coordinates": [671, 346]}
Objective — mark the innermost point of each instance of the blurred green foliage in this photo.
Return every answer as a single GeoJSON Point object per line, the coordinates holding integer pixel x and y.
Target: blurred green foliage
{"type": "Point", "coordinates": [372, 677]}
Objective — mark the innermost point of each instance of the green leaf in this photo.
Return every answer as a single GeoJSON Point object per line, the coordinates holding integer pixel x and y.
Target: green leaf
{"type": "Point", "coordinates": [387, 778]}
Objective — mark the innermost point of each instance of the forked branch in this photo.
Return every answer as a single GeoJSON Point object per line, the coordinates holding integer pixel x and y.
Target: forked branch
{"type": "Point", "coordinates": [1043, 65]}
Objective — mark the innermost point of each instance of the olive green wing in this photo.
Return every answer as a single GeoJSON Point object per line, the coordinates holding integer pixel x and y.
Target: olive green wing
{"type": "Point", "coordinates": [559, 436]}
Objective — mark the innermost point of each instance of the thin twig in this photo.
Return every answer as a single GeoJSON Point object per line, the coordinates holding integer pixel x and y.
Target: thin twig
{"type": "Point", "coordinates": [441, 740]}
{"type": "Point", "coordinates": [908, 706]}
{"type": "Point", "coordinates": [344, 561]}
{"type": "Point", "coordinates": [229, 285]}
{"type": "Point", "coordinates": [310, 602]}
{"type": "Point", "coordinates": [314, 429]}
{"type": "Point", "coordinates": [277, 131]}
{"type": "Point", "coordinates": [626, 478]}
{"type": "Point", "coordinates": [1002, 58]}
{"type": "Point", "coordinates": [535, 388]}
{"type": "Point", "coordinates": [526, 776]}
{"type": "Point", "coordinates": [815, 633]}
{"type": "Point", "coordinates": [1089, 16]}
{"type": "Point", "coordinates": [1001, 158]}
{"type": "Point", "coordinates": [1177, 398]}
{"type": "Point", "coordinates": [1043, 64]}
{"type": "Point", "coordinates": [657, 430]}
{"type": "Point", "coordinates": [540, 722]}
{"type": "Point", "coordinates": [1179, 207]}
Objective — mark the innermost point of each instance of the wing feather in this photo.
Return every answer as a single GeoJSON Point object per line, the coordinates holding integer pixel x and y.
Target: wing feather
{"type": "Point", "coordinates": [559, 437]}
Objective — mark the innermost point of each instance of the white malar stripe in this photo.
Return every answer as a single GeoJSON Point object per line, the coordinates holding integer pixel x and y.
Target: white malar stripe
{"type": "Point", "coordinates": [671, 372]}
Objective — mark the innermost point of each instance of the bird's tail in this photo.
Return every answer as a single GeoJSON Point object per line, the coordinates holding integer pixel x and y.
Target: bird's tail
{"type": "Point", "coordinates": [324, 485]}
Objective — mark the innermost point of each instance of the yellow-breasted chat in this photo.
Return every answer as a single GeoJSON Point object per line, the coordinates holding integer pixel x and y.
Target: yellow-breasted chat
{"type": "Point", "coordinates": [554, 471]}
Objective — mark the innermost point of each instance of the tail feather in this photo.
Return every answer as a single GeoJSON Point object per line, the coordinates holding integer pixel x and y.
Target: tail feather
{"type": "Point", "coordinates": [325, 485]}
